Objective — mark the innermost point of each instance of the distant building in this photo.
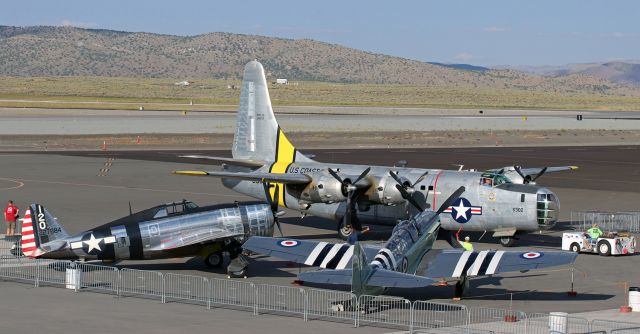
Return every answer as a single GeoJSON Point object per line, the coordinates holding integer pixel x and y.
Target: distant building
{"type": "Point", "coordinates": [282, 81]}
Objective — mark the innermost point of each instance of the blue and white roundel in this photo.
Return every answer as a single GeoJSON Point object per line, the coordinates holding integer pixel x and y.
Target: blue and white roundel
{"type": "Point", "coordinates": [461, 210]}
{"type": "Point", "coordinates": [531, 255]}
{"type": "Point", "coordinates": [288, 243]}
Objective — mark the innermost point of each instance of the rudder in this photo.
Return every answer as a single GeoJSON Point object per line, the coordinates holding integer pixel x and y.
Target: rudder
{"type": "Point", "coordinates": [40, 230]}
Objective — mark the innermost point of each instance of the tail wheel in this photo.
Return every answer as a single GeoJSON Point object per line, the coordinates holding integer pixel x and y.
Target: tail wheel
{"type": "Point", "coordinates": [214, 260]}
{"type": "Point", "coordinates": [604, 248]}
{"type": "Point", "coordinates": [343, 231]}
{"type": "Point", "coordinates": [575, 247]}
{"type": "Point", "coordinates": [507, 241]}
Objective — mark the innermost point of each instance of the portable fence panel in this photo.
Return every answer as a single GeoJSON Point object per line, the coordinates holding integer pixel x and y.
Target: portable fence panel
{"type": "Point", "coordinates": [237, 294]}
{"type": "Point", "coordinates": [496, 320]}
{"type": "Point", "coordinates": [539, 323]}
{"type": "Point", "coordinates": [55, 272]}
{"type": "Point", "coordinates": [281, 299]}
{"type": "Point", "coordinates": [614, 327]}
{"type": "Point", "coordinates": [384, 311]}
{"type": "Point", "coordinates": [98, 277]}
{"type": "Point", "coordinates": [20, 269]}
{"type": "Point", "coordinates": [331, 305]}
{"type": "Point", "coordinates": [430, 317]}
{"type": "Point", "coordinates": [140, 282]}
{"type": "Point", "coordinates": [193, 289]}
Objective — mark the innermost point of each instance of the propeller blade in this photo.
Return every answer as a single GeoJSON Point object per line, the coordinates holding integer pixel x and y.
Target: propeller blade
{"type": "Point", "coordinates": [409, 198]}
{"type": "Point", "coordinates": [501, 171]}
{"type": "Point", "coordinates": [420, 179]}
{"type": "Point", "coordinates": [519, 171]}
{"type": "Point", "coordinates": [273, 205]}
{"type": "Point", "coordinates": [395, 177]}
{"type": "Point", "coordinates": [335, 175]}
{"type": "Point", "coordinates": [450, 200]}
{"type": "Point", "coordinates": [130, 212]}
{"type": "Point", "coordinates": [366, 171]}
{"type": "Point", "coordinates": [539, 174]}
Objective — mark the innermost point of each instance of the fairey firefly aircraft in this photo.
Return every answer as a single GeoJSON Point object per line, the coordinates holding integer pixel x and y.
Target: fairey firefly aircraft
{"type": "Point", "coordinates": [373, 194]}
{"type": "Point", "coordinates": [406, 260]}
{"type": "Point", "coordinates": [165, 231]}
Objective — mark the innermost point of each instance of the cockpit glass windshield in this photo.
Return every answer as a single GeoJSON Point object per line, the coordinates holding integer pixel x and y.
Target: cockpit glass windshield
{"type": "Point", "coordinates": [492, 179]}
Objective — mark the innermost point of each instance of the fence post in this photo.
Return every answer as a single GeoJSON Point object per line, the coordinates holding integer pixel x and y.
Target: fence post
{"type": "Point", "coordinates": [255, 299]}
{"type": "Point", "coordinates": [357, 317]}
{"type": "Point", "coordinates": [37, 280]}
{"type": "Point", "coordinates": [119, 284]}
{"type": "Point", "coordinates": [306, 303]}
{"type": "Point", "coordinates": [411, 317]}
{"type": "Point", "coordinates": [208, 292]}
{"type": "Point", "coordinates": [164, 295]}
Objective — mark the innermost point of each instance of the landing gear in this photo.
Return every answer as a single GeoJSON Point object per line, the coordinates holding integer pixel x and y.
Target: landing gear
{"type": "Point", "coordinates": [343, 231]}
{"type": "Point", "coordinates": [461, 287]}
{"type": "Point", "coordinates": [214, 260]}
{"type": "Point", "coordinates": [507, 241]}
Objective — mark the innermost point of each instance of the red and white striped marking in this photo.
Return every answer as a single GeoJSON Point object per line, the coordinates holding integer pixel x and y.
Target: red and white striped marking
{"type": "Point", "coordinates": [28, 241]}
{"type": "Point", "coordinates": [475, 210]}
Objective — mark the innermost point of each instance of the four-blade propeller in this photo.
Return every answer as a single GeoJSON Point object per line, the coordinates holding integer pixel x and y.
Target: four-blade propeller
{"type": "Point", "coordinates": [349, 191]}
{"type": "Point", "coordinates": [273, 205]}
{"type": "Point", "coordinates": [408, 190]}
{"type": "Point", "coordinates": [527, 178]}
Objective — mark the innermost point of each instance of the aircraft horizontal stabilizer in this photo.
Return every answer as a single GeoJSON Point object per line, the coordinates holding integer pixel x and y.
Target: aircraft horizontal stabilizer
{"type": "Point", "coordinates": [230, 161]}
{"type": "Point", "coordinates": [258, 177]}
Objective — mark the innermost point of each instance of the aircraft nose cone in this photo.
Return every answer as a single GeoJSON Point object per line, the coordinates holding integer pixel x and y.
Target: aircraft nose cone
{"type": "Point", "coordinates": [547, 208]}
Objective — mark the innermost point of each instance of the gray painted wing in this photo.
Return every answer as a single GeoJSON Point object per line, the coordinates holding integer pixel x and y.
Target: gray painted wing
{"type": "Point", "coordinates": [394, 279]}
{"type": "Point", "coordinates": [342, 277]}
{"type": "Point", "coordinates": [311, 253]}
{"type": "Point", "coordinates": [454, 263]}
{"type": "Point", "coordinates": [255, 176]}
{"type": "Point", "coordinates": [195, 236]}
{"type": "Point", "coordinates": [536, 171]}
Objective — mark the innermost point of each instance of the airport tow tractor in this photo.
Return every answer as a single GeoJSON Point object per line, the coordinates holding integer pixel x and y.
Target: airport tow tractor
{"type": "Point", "coordinates": [610, 243]}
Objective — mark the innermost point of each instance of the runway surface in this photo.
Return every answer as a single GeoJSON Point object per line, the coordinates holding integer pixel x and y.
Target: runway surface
{"type": "Point", "coordinates": [20, 121]}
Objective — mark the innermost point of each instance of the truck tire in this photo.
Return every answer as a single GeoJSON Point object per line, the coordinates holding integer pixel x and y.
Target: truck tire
{"type": "Point", "coordinates": [604, 248]}
{"type": "Point", "coordinates": [575, 247]}
{"type": "Point", "coordinates": [507, 241]}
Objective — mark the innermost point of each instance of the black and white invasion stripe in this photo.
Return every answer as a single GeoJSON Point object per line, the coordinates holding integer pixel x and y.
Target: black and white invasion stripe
{"type": "Point", "coordinates": [477, 263]}
{"type": "Point", "coordinates": [331, 256]}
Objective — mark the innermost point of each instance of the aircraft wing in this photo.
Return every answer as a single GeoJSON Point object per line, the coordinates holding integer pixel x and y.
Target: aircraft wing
{"type": "Point", "coordinates": [230, 161]}
{"type": "Point", "coordinates": [196, 236]}
{"type": "Point", "coordinates": [536, 171]}
{"type": "Point", "coordinates": [312, 253]}
{"type": "Point", "coordinates": [379, 277]}
{"type": "Point", "coordinates": [454, 263]}
{"type": "Point", "coordinates": [254, 176]}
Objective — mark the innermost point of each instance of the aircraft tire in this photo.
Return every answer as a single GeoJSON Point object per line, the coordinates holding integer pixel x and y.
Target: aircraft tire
{"type": "Point", "coordinates": [604, 248]}
{"type": "Point", "coordinates": [214, 260]}
{"type": "Point", "coordinates": [343, 232]}
{"type": "Point", "coordinates": [507, 241]}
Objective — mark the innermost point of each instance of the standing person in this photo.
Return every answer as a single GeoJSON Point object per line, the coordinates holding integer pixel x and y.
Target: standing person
{"type": "Point", "coordinates": [10, 216]}
{"type": "Point", "coordinates": [355, 234]}
{"type": "Point", "coordinates": [466, 244]}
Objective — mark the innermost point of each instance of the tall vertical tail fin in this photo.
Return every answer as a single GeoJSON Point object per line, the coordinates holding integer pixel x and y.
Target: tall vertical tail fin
{"type": "Point", "coordinates": [361, 270]}
{"type": "Point", "coordinates": [258, 135]}
{"type": "Point", "coordinates": [40, 231]}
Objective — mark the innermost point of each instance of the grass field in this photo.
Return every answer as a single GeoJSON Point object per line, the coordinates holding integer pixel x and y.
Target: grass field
{"type": "Point", "coordinates": [163, 94]}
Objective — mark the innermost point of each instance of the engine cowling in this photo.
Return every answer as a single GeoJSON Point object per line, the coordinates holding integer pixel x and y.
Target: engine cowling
{"type": "Point", "coordinates": [384, 191]}
{"type": "Point", "coordinates": [323, 188]}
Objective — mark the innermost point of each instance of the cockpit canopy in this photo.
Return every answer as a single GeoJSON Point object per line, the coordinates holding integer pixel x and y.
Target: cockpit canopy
{"type": "Point", "coordinates": [489, 179]}
{"type": "Point", "coordinates": [175, 208]}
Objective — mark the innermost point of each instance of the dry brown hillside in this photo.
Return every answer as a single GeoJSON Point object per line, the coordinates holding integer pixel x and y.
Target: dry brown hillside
{"type": "Point", "coordinates": [68, 51]}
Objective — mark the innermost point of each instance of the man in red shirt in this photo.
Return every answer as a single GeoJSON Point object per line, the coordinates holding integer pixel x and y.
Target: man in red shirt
{"type": "Point", "coordinates": [10, 216]}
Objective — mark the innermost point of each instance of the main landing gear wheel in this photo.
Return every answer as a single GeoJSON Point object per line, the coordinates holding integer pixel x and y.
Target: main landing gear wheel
{"type": "Point", "coordinates": [214, 260]}
{"type": "Point", "coordinates": [507, 241]}
{"type": "Point", "coordinates": [343, 231]}
{"type": "Point", "coordinates": [604, 248]}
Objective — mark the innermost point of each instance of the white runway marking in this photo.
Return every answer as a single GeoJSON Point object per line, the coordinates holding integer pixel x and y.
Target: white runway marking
{"type": "Point", "coordinates": [19, 184]}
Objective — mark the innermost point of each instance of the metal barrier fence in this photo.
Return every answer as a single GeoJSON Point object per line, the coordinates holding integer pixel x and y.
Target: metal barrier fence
{"type": "Point", "coordinates": [309, 304]}
{"type": "Point", "coordinates": [610, 221]}
{"type": "Point", "coordinates": [141, 282]}
{"type": "Point", "coordinates": [556, 322]}
{"type": "Point", "coordinates": [385, 311]}
{"type": "Point", "coordinates": [610, 327]}
{"type": "Point", "coordinates": [193, 289]}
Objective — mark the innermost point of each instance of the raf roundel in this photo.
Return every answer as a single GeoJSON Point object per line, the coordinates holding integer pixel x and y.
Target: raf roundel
{"type": "Point", "coordinates": [288, 243]}
{"type": "Point", "coordinates": [530, 255]}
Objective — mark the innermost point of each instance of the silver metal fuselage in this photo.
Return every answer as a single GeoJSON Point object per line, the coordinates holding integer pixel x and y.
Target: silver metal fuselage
{"type": "Point", "coordinates": [169, 236]}
{"type": "Point", "coordinates": [525, 207]}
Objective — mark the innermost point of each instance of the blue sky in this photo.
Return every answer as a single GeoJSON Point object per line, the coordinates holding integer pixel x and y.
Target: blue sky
{"type": "Point", "coordinates": [477, 32]}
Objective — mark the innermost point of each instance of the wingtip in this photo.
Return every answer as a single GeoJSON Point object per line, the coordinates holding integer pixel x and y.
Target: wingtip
{"type": "Point", "coordinates": [573, 167]}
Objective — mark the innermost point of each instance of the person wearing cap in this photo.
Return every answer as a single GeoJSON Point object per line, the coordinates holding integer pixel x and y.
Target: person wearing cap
{"type": "Point", "coordinates": [466, 244]}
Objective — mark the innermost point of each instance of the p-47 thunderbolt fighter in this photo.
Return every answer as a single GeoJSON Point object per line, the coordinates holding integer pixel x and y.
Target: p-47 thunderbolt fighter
{"type": "Point", "coordinates": [165, 231]}
{"type": "Point", "coordinates": [406, 260]}
{"type": "Point", "coordinates": [370, 194]}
